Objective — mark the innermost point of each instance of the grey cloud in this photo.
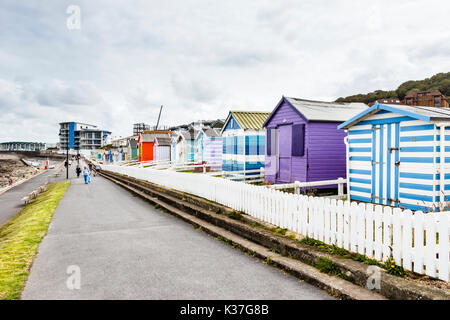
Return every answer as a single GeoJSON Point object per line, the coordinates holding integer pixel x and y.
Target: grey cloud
{"type": "Point", "coordinates": [196, 90]}
{"type": "Point", "coordinates": [247, 59]}
{"type": "Point", "coordinates": [62, 94]}
{"type": "Point", "coordinates": [438, 48]}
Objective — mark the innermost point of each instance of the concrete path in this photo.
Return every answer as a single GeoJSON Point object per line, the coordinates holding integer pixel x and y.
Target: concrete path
{"type": "Point", "coordinates": [126, 249]}
{"type": "Point", "coordinates": [10, 201]}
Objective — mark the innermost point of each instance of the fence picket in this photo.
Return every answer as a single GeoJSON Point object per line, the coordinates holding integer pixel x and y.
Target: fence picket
{"type": "Point", "coordinates": [354, 212]}
{"type": "Point", "coordinates": [387, 233]}
{"type": "Point", "coordinates": [407, 240]}
{"type": "Point", "coordinates": [340, 223]}
{"type": "Point", "coordinates": [378, 233]}
{"type": "Point", "coordinates": [321, 225]}
{"type": "Point", "coordinates": [333, 217]}
{"type": "Point", "coordinates": [311, 220]}
{"type": "Point", "coordinates": [361, 228]}
{"type": "Point", "coordinates": [397, 236]}
{"type": "Point", "coordinates": [430, 246]}
{"type": "Point", "coordinates": [346, 225]}
{"type": "Point", "coordinates": [418, 220]}
{"type": "Point", "coordinates": [443, 246]}
{"type": "Point", "coordinates": [369, 231]}
{"type": "Point", "coordinates": [327, 223]}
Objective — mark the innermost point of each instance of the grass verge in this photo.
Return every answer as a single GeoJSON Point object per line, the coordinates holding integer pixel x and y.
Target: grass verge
{"type": "Point", "coordinates": [389, 266]}
{"type": "Point", "coordinates": [20, 237]}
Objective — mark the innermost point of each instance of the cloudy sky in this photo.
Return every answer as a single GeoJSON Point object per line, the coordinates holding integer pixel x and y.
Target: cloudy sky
{"type": "Point", "coordinates": [202, 58]}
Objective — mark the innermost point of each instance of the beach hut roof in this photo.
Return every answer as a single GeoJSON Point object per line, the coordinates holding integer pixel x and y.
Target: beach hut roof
{"type": "Point", "coordinates": [416, 112]}
{"type": "Point", "coordinates": [211, 132]}
{"type": "Point", "coordinates": [150, 136]}
{"type": "Point", "coordinates": [163, 141]}
{"type": "Point", "coordinates": [187, 135]}
{"type": "Point", "coordinates": [132, 143]}
{"type": "Point", "coordinates": [321, 110]}
{"type": "Point", "coordinates": [248, 120]}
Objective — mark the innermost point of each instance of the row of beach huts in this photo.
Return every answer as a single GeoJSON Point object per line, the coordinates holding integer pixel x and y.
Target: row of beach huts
{"type": "Point", "coordinates": [395, 155]}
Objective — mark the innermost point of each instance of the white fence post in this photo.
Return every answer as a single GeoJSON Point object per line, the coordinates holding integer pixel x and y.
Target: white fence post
{"type": "Point", "coordinates": [297, 187]}
{"type": "Point", "coordinates": [341, 187]}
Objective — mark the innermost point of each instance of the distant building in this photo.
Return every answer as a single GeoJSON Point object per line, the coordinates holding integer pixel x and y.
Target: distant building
{"type": "Point", "coordinates": [51, 146]}
{"type": "Point", "coordinates": [22, 146]}
{"type": "Point", "coordinates": [120, 147]}
{"type": "Point", "coordinates": [197, 125]}
{"type": "Point", "coordinates": [386, 101]}
{"type": "Point", "coordinates": [67, 133]}
{"type": "Point", "coordinates": [91, 139]}
{"type": "Point", "coordinates": [82, 136]}
{"type": "Point", "coordinates": [121, 142]}
{"type": "Point", "coordinates": [426, 98]}
{"type": "Point", "coordinates": [139, 127]}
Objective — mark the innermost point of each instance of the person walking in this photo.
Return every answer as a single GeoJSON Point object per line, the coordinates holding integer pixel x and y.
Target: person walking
{"type": "Point", "coordinates": [97, 169]}
{"type": "Point", "coordinates": [86, 175]}
{"type": "Point", "coordinates": [78, 171]}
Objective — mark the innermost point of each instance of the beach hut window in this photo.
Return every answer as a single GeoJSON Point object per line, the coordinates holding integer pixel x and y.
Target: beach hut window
{"type": "Point", "coordinates": [298, 140]}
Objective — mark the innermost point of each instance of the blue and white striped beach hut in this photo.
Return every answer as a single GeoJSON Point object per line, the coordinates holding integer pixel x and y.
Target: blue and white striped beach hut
{"type": "Point", "coordinates": [244, 140]}
{"type": "Point", "coordinates": [394, 153]}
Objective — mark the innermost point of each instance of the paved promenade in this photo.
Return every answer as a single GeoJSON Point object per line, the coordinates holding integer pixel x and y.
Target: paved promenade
{"type": "Point", "coordinates": [126, 249]}
{"type": "Point", "coordinates": [10, 201]}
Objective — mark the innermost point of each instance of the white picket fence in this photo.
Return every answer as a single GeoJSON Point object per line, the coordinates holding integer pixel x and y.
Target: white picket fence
{"type": "Point", "coordinates": [417, 241]}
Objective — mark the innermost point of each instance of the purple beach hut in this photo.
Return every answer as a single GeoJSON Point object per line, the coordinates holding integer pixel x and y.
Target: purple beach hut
{"type": "Point", "coordinates": [303, 142]}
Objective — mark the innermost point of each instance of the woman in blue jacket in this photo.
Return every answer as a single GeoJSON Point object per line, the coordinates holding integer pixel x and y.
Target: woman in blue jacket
{"type": "Point", "coordinates": [86, 174]}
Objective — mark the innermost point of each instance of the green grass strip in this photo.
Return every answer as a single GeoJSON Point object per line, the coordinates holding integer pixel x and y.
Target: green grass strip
{"type": "Point", "coordinates": [20, 237]}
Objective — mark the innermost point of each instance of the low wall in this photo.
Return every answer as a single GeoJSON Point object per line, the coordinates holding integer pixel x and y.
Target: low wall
{"type": "Point", "coordinates": [35, 154]}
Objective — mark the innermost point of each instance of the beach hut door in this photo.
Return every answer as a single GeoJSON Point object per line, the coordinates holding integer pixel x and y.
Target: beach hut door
{"type": "Point", "coordinates": [284, 153]}
{"type": "Point", "coordinates": [385, 164]}
{"type": "Point", "coordinates": [202, 149]}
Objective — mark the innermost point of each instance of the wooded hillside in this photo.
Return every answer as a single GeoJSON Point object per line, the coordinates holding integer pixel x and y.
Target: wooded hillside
{"type": "Point", "coordinates": [440, 81]}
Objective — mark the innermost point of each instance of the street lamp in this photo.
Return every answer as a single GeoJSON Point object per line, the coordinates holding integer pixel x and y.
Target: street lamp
{"type": "Point", "coordinates": [67, 150]}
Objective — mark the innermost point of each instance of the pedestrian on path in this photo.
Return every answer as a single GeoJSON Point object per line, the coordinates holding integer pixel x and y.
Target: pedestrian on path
{"type": "Point", "coordinates": [78, 170]}
{"type": "Point", "coordinates": [97, 170]}
{"type": "Point", "coordinates": [86, 175]}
